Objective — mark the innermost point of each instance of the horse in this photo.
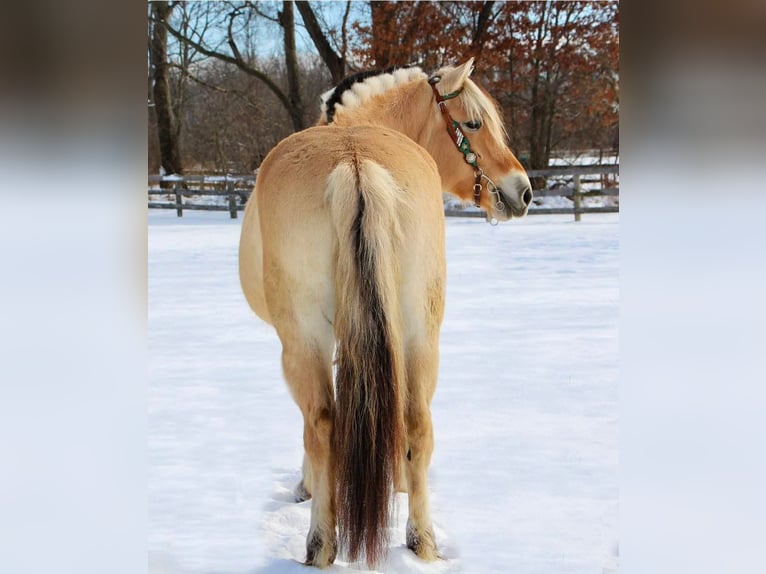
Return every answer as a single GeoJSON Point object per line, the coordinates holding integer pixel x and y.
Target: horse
{"type": "Point", "coordinates": [342, 251]}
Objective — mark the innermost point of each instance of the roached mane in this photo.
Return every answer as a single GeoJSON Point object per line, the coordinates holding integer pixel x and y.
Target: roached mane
{"type": "Point", "coordinates": [356, 89]}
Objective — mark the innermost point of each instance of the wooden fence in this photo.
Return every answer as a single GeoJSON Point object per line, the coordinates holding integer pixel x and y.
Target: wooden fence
{"type": "Point", "coordinates": [574, 191]}
{"type": "Point", "coordinates": [561, 182]}
{"type": "Point", "coordinates": [236, 188]}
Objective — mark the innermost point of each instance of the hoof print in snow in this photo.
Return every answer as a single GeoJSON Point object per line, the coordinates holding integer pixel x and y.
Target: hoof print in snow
{"type": "Point", "coordinates": [319, 553]}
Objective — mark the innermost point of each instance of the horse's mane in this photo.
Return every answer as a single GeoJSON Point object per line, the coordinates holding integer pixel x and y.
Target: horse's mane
{"type": "Point", "coordinates": [357, 88]}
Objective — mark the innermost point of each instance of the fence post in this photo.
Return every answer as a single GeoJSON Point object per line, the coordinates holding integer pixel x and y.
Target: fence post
{"type": "Point", "coordinates": [179, 204]}
{"type": "Point", "coordinates": [577, 197]}
{"type": "Point", "coordinates": [232, 198]}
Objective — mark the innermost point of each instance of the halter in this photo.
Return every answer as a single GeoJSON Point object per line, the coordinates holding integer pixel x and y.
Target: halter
{"type": "Point", "coordinates": [464, 147]}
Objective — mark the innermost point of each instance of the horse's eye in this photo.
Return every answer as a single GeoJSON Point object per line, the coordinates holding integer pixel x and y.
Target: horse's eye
{"type": "Point", "coordinates": [472, 126]}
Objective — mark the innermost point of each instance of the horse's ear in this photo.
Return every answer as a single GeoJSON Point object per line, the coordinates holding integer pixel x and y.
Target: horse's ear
{"type": "Point", "coordinates": [470, 65]}
{"type": "Point", "coordinates": [455, 78]}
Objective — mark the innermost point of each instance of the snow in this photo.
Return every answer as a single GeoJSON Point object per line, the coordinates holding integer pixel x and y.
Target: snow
{"type": "Point", "coordinates": [524, 475]}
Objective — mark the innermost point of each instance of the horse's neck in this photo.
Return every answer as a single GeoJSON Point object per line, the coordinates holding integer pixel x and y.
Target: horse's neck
{"type": "Point", "coordinates": [405, 110]}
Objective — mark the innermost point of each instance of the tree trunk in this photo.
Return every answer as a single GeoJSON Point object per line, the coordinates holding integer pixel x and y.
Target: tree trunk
{"type": "Point", "coordinates": [477, 42]}
{"type": "Point", "coordinates": [537, 159]}
{"type": "Point", "coordinates": [382, 12]}
{"type": "Point", "coordinates": [334, 62]}
{"type": "Point", "coordinates": [287, 20]}
{"type": "Point", "coordinates": [550, 112]}
{"type": "Point", "coordinates": [166, 129]}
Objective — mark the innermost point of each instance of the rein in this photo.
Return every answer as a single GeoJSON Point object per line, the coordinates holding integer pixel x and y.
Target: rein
{"type": "Point", "coordinates": [464, 147]}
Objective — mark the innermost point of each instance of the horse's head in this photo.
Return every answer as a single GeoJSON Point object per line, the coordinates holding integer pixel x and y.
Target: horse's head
{"type": "Point", "coordinates": [469, 146]}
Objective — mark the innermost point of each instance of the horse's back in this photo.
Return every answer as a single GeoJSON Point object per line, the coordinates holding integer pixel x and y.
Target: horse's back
{"type": "Point", "coordinates": [310, 156]}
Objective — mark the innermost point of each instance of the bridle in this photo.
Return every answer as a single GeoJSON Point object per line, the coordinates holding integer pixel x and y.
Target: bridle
{"type": "Point", "coordinates": [464, 147]}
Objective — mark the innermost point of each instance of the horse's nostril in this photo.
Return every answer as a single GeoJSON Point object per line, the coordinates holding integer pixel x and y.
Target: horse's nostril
{"type": "Point", "coordinates": [526, 197]}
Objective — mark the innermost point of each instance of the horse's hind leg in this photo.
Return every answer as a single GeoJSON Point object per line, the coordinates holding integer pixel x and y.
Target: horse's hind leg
{"type": "Point", "coordinates": [422, 370]}
{"type": "Point", "coordinates": [308, 369]}
{"type": "Point", "coordinates": [303, 489]}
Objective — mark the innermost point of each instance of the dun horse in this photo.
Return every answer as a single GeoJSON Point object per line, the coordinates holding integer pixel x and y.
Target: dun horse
{"type": "Point", "coordinates": [342, 251]}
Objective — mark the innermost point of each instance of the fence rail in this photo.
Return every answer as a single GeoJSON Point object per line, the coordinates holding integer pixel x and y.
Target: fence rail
{"type": "Point", "coordinates": [237, 188]}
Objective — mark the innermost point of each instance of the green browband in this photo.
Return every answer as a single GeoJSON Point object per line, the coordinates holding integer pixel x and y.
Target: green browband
{"type": "Point", "coordinates": [451, 95]}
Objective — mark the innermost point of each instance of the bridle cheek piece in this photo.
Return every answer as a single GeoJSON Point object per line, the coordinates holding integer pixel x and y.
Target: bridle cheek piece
{"type": "Point", "coordinates": [464, 147]}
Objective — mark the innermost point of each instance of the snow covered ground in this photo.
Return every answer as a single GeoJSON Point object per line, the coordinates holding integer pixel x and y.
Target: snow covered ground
{"type": "Point", "coordinates": [525, 472]}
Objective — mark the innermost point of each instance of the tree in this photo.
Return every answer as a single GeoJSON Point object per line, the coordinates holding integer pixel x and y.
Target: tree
{"type": "Point", "coordinates": [335, 62]}
{"type": "Point", "coordinates": [287, 21]}
{"type": "Point", "coordinates": [239, 15]}
{"type": "Point", "coordinates": [167, 129]}
{"type": "Point", "coordinates": [483, 21]}
{"type": "Point", "coordinates": [560, 83]}
{"type": "Point", "coordinates": [402, 33]}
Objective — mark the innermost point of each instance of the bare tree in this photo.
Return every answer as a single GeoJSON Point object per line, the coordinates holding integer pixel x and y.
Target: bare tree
{"type": "Point", "coordinates": [291, 103]}
{"type": "Point", "coordinates": [287, 21]}
{"type": "Point", "coordinates": [335, 62]}
{"type": "Point", "coordinates": [167, 130]}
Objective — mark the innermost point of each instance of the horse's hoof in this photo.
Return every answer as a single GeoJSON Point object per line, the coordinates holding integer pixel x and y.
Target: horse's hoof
{"type": "Point", "coordinates": [301, 493]}
{"type": "Point", "coordinates": [422, 543]}
{"type": "Point", "coordinates": [321, 553]}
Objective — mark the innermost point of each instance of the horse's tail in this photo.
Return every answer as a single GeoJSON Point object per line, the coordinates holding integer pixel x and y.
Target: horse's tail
{"type": "Point", "coordinates": [366, 204]}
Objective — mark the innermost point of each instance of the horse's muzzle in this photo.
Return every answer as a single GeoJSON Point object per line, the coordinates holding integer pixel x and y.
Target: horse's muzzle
{"type": "Point", "coordinates": [516, 194]}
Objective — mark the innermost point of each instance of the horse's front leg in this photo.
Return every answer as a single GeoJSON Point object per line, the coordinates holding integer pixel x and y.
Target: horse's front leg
{"type": "Point", "coordinates": [421, 374]}
{"type": "Point", "coordinates": [309, 377]}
